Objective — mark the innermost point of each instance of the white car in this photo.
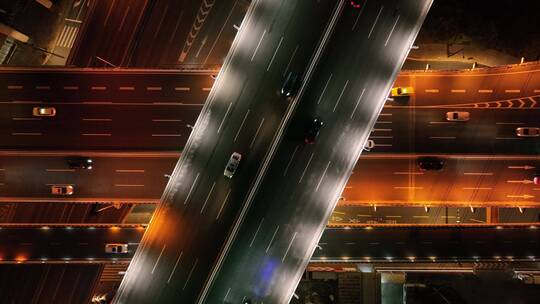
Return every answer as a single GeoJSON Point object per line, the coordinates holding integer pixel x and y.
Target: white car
{"type": "Point", "coordinates": [528, 132]}
{"type": "Point", "coordinates": [43, 111]}
{"type": "Point", "coordinates": [457, 116]}
{"type": "Point", "coordinates": [116, 248]}
{"type": "Point", "coordinates": [62, 189]}
{"type": "Point", "coordinates": [232, 165]}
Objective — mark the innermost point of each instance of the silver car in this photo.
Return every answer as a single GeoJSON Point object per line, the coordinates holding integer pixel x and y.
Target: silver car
{"type": "Point", "coordinates": [62, 189]}
{"type": "Point", "coordinates": [232, 165]}
{"type": "Point", "coordinates": [457, 116]}
{"type": "Point", "coordinates": [528, 132]}
{"type": "Point", "coordinates": [116, 248]}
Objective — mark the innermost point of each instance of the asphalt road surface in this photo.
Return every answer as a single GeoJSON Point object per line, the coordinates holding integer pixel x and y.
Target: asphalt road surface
{"type": "Point", "coordinates": [350, 215]}
{"type": "Point", "coordinates": [86, 243]}
{"type": "Point", "coordinates": [100, 109]}
{"type": "Point", "coordinates": [115, 177]}
{"type": "Point", "coordinates": [477, 180]}
{"type": "Point", "coordinates": [242, 114]}
{"type": "Point", "coordinates": [68, 243]}
{"type": "Point", "coordinates": [272, 247]}
{"type": "Point", "coordinates": [429, 244]}
{"type": "Point", "coordinates": [162, 33]}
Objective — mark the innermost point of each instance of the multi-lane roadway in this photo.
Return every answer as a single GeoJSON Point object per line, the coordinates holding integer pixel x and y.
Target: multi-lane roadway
{"type": "Point", "coordinates": [242, 114]}
{"type": "Point", "coordinates": [272, 247]}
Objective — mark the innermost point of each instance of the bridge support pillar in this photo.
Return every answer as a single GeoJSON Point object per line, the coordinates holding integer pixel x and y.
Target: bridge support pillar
{"type": "Point", "coordinates": [492, 215]}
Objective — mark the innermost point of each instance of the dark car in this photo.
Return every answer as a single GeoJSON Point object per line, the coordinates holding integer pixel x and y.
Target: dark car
{"type": "Point", "coordinates": [80, 162]}
{"type": "Point", "coordinates": [290, 85]}
{"type": "Point", "coordinates": [313, 130]}
{"type": "Point", "coordinates": [355, 4]}
{"type": "Point", "coordinates": [536, 179]}
{"type": "Point", "coordinates": [430, 163]}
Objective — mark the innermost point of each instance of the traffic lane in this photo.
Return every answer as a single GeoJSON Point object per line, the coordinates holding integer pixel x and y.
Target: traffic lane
{"type": "Point", "coordinates": [268, 245]}
{"type": "Point", "coordinates": [66, 243]}
{"type": "Point", "coordinates": [55, 212]}
{"type": "Point", "coordinates": [108, 32]}
{"type": "Point", "coordinates": [481, 85]}
{"type": "Point", "coordinates": [127, 176]}
{"type": "Point", "coordinates": [256, 124]}
{"type": "Point", "coordinates": [464, 180]}
{"type": "Point", "coordinates": [202, 195]}
{"type": "Point", "coordinates": [77, 85]}
{"type": "Point", "coordinates": [119, 126]}
{"type": "Point", "coordinates": [193, 32]}
{"type": "Point", "coordinates": [347, 214]}
{"type": "Point", "coordinates": [428, 243]}
{"type": "Point", "coordinates": [426, 130]}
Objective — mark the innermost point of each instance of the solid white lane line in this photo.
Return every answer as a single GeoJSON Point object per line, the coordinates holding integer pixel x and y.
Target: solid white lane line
{"type": "Point", "coordinates": [26, 134]}
{"type": "Point", "coordinates": [289, 247]}
{"type": "Point", "coordinates": [71, 88]}
{"type": "Point", "coordinates": [223, 203]}
{"type": "Point", "coordinates": [359, 14]}
{"type": "Point", "coordinates": [25, 118]}
{"type": "Point", "coordinates": [191, 189]}
{"type": "Point", "coordinates": [182, 89]}
{"type": "Point", "coordinates": [275, 52]}
{"type": "Point", "coordinates": [154, 88]}
{"type": "Point", "coordinates": [392, 31]}
{"type": "Point", "coordinates": [375, 22]}
{"type": "Point", "coordinates": [190, 273]}
{"type": "Point", "coordinates": [166, 135]}
{"type": "Point", "coordinates": [340, 95]}
{"type": "Point", "coordinates": [324, 89]}
{"type": "Point", "coordinates": [99, 88]}
{"type": "Point", "coordinates": [358, 102]}
{"type": "Point", "coordinates": [241, 125]}
{"type": "Point", "coordinates": [305, 169]}
{"type": "Point", "coordinates": [96, 134]}
{"type": "Point", "coordinates": [256, 134]}
{"type": "Point", "coordinates": [43, 87]}
{"type": "Point", "coordinates": [478, 173]}
{"type": "Point", "coordinates": [322, 176]}
{"type": "Point", "coordinates": [224, 117]}
{"type": "Point", "coordinates": [256, 232]}
{"type": "Point", "coordinates": [258, 44]}
{"type": "Point", "coordinates": [207, 197]}
{"type": "Point", "coordinates": [290, 60]}
{"type": "Point", "coordinates": [290, 161]}
{"type": "Point", "coordinates": [126, 88]}
{"type": "Point", "coordinates": [14, 87]}
{"type": "Point", "coordinates": [129, 170]}
{"type": "Point", "coordinates": [96, 119]}
{"type": "Point", "coordinates": [159, 257]}
{"type": "Point", "coordinates": [128, 185]}
{"type": "Point", "coordinates": [60, 170]}
{"type": "Point", "coordinates": [174, 268]}
{"type": "Point", "coordinates": [272, 240]}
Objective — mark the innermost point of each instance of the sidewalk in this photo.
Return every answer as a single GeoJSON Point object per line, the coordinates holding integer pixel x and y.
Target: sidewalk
{"type": "Point", "coordinates": [462, 53]}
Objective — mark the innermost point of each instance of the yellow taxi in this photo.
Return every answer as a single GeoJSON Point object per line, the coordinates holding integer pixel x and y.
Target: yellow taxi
{"type": "Point", "coordinates": [402, 91]}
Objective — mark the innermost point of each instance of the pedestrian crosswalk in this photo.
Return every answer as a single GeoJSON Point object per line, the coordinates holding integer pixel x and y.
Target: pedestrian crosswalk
{"type": "Point", "coordinates": [67, 36]}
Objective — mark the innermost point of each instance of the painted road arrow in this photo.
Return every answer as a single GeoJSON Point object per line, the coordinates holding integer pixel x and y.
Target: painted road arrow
{"type": "Point", "coordinates": [521, 167]}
